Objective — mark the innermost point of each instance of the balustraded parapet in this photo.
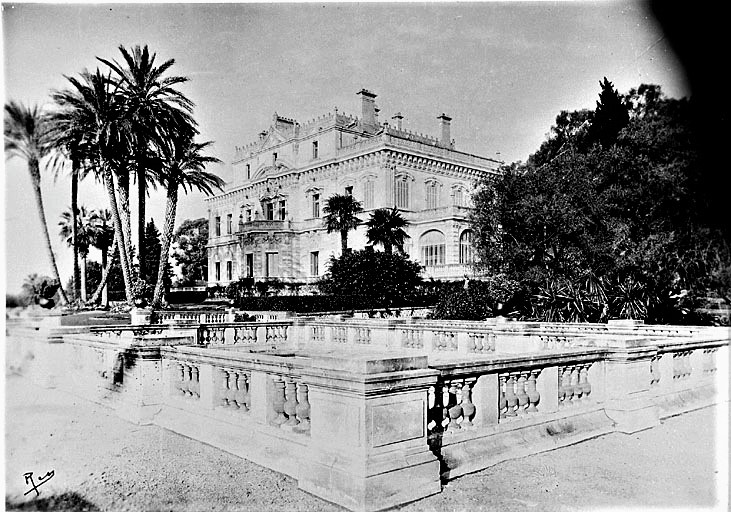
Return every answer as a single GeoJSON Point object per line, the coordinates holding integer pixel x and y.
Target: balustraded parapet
{"type": "Point", "coordinates": [318, 333]}
{"type": "Point", "coordinates": [518, 393]}
{"type": "Point", "coordinates": [681, 365]}
{"type": "Point", "coordinates": [187, 382]}
{"type": "Point", "coordinates": [235, 391]}
{"type": "Point", "coordinates": [573, 384]}
{"type": "Point", "coordinates": [444, 341]}
{"type": "Point", "coordinates": [244, 334]}
{"type": "Point", "coordinates": [709, 361]}
{"type": "Point", "coordinates": [481, 343]}
{"type": "Point", "coordinates": [412, 338]}
{"type": "Point", "coordinates": [290, 404]}
{"type": "Point", "coordinates": [450, 406]}
{"type": "Point", "coordinates": [363, 335]}
{"type": "Point", "coordinates": [276, 334]}
{"type": "Point", "coordinates": [339, 334]}
{"type": "Point", "coordinates": [209, 334]}
{"type": "Point", "coordinates": [550, 342]}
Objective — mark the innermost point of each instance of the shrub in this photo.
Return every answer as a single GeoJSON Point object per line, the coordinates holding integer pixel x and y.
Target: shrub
{"type": "Point", "coordinates": [477, 300]}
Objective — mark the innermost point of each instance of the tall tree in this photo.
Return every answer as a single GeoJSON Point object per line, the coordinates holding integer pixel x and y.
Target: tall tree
{"type": "Point", "coordinates": [157, 110]}
{"type": "Point", "coordinates": [77, 232]}
{"type": "Point", "coordinates": [98, 107]}
{"type": "Point", "coordinates": [184, 168]}
{"type": "Point", "coordinates": [25, 138]}
{"type": "Point", "coordinates": [386, 228]}
{"type": "Point", "coordinates": [341, 214]}
{"type": "Point", "coordinates": [191, 239]}
{"type": "Point", "coordinates": [610, 116]}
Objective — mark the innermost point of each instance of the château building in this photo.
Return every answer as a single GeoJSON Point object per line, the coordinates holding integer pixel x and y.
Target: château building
{"type": "Point", "coordinates": [269, 222]}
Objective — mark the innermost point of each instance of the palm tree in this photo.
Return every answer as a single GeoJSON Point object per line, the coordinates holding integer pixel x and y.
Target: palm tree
{"type": "Point", "coordinates": [97, 107]}
{"type": "Point", "coordinates": [76, 231]}
{"type": "Point", "coordinates": [341, 214]}
{"type": "Point", "coordinates": [386, 227]}
{"type": "Point", "coordinates": [157, 111]}
{"type": "Point", "coordinates": [104, 239]}
{"type": "Point", "coordinates": [25, 138]}
{"type": "Point", "coordinates": [184, 168]}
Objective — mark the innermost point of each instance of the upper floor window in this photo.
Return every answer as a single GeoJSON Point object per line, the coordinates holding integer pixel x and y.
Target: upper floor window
{"type": "Point", "coordinates": [274, 158]}
{"type": "Point", "coordinates": [218, 226]}
{"type": "Point", "coordinates": [315, 150]}
{"type": "Point", "coordinates": [401, 193]}
{"type": "Point", "coordinates": [433, 248]}
{"type": "Point", "coordinates": [269, 210]}
{"type": "Point", "coordinates": [432, 195]}
{"type": "Point", "coordinates": [229, 223]}
{"type": "Point", "coordinates": [315, 205]}
{"type": "Point", "coordinates": [282, 212]}
{"type": "Point", "coordinates": [248, 171]}
{"type": "Point", "coordinates": [368, 200]}
{"type": "Point", "coordinates": [466, 252]}
{"type": "Point", "coordinates": [248, 215]}
{"type": "Point", "coordinates": [458, 197]}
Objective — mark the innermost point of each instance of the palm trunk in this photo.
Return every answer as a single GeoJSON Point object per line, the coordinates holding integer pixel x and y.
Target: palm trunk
{"type": "Point", "coordinates": [83, 279]}
{"type": "Point", "coordinates": [35, 175]}
{"type": "Point", "coordinates": [119, 231]}
{"type": "Point", "coordinates": [123, 182]}
{"type": "Point", "coordinates": [75, 229]}
{"type": "Point", "coordinates": [141, 191]}
{"type": "Point", "coordinates": [343, 241]}
{"type": "Point", "coordinates": [167, 237]}
{"type": "Point", "coordinates": [106, 266]}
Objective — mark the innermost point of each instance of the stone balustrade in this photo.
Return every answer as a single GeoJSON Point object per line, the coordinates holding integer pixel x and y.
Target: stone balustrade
{"type": "Point", "coordinates": [375, 413]}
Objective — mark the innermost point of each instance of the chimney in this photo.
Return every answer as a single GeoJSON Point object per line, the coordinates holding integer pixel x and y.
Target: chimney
{"type": "Point", "coordinates": [399, 120]}
{"type": "Point", "coordinates": [446, 139]}
{"type": "Point", "coordinates": [368, 113]}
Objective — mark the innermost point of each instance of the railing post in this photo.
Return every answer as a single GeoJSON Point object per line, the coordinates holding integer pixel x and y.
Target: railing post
{"type": "Point", "coordinates": [485, 393]}
{"type": "Point", "coordinates": [208, 384]}
{"type": "Point", "coordinates": [547, 387]}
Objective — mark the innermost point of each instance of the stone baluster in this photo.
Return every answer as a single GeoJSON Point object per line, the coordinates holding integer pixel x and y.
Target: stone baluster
{"type": "Point", "coordinates": [688, 366]}
{"type": "Point", "coordinates": [453, 409]}
{"type": "Point", "coordinates": [452, 339]}
{"type": "Point", "coordinates": [575, 384]}
{"type": "Point", "coordinates": [290, 404]}
{"type": "Point", "coordinates": [655, 370]}
{"type": "Point", "coordinates": [468, 408]}
{"type": "Point", "coordinates": [512, 399]}
{"type": "Point", "coordinates": [564, 385]}
{"type": "Point", "coordinates": [521, 394]}
{"type": "Point", "coordinates": [534, 397]}
{"type": "Point", "coordinates": [584, 383]}
{"type": "Point", "coordinates": [676, 365]}
{"type": "Point", "coordinates": [502, 398]}
{"type": "Point", "coordinates": [474, 344]}
{"type": "Point", "coordinates": [225, 388]}
{"type": "Point", "coordinates": [434, 413]}
{"type": "Point", "coordinates": [182, 381]}
{"type": "Point", "coordinates": [278, 402]}
{"type": "Point", "coordinates": [303, 409]}
{"type": "Point", "coordinates": [195, 385]}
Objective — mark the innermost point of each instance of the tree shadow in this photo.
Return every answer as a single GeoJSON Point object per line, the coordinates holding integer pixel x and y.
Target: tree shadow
{"type": "Point", "coordinates": [65, 502]}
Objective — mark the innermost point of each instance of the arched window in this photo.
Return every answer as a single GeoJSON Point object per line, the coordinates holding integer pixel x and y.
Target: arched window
{"type": "Point", "coordinates": [401, 192]}
{"type": "Point", "coordinates": [433, 248]}
{"type": "Point", "coordinates": [466, 252]}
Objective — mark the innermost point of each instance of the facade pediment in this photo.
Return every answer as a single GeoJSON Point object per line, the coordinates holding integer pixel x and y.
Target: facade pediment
{"type": "Point", "coordinates": [273, 138]}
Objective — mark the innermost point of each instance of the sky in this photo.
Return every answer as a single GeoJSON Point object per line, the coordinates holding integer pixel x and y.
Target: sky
{"type": "Point", "coordinates": [501, 70]}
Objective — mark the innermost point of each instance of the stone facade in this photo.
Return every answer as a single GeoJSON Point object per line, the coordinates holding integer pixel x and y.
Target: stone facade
{"type": "Point", "coordinates": [269, 220]}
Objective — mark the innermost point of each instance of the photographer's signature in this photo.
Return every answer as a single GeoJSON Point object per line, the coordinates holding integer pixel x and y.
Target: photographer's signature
{"type": "Point", "coordinates": [41, 480]}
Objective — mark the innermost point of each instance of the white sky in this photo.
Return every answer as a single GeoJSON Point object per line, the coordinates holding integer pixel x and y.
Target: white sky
{"type": "Point", "coordinates": [503, 71]}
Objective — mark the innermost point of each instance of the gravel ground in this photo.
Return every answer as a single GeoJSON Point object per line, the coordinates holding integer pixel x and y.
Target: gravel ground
{"type": "Point", "coordinates": [103, 463]}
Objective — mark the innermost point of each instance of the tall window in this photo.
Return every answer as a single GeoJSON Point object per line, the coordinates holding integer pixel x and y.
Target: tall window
{"type": "Point", "coordinates": [315, 150]}
{"type": "Point", "coordinates": [272, 265]}
{"type": "Point", "coordinates": [218, 226]}
{"type": "Point", "coordinates": [315, 205]}
{"type": "Point", "coordinates": [229, 223]}
{"type": "Point", "coordinates": [282, 209]}
{"type": "Point", "coordinates": [218, 270]}
{"type": "Point", "coordinates": [248, 171]}
{"type": "Point", "coordinates": [315, 263]}
{"type": "Point", "coordinates": [433, 248]}
{"type": "Point", "coordinates": [458, 197]}
{"type": "Point", "coordinates": [248, 215]}
{"type": "Point", "coordinates": [349, 191]}
{"type": "Point", "coordinates": [249, 265]}
{"type": "Point", "coordinates": [402, 193]}
{"type": "Point", "coordinates": [466, 252]}
{"type": "Point", "coordinates": [274, 158]}
{"type": "Point", "coordinates": [368, 195]}
{"type": "Point", "coordinates": [229, 270]}
{"type": "Point", "coordinates": [431, 195]}
{"type": "Point", "coordinates": [269, 210]}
